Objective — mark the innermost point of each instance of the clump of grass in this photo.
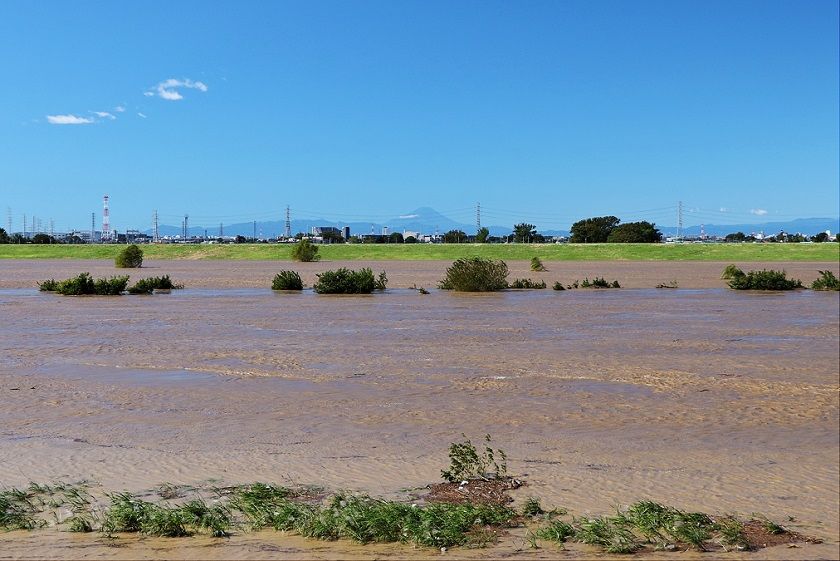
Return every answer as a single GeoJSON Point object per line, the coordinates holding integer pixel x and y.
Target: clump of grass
{"type": "Point", "coordinates": [215, 519]}
{"type": "Point", "coordinates": [827, 281]}
{"type": "Point", "coordinates": [149, 285]}
{"type": "Point", "coordinates": [130, 514]}
{"type": "Point", "coordinates": [345, 281]}
{"type": "Point", "coordinates": [731, 534]}
{"type": "Point", "coordinates": [558, 286]}
{"type": "Point", "coordinates": [475, 274]}
{"type": "Point", "coordinates": [537, 265]}
{"type": "Point", "coordinates": [608, 533]}
{"type": "Point", "coordinates": [287, 280]}
{"type": "Point", "coordinates": [422, 290]}
{"type": "Point", "coordinates": [50, 285]}
{"type": "Point", "coordinates": [527, 283]}
{"type": "Point", "coordinates": [532, 507]}
{"type": "Point", "coordinates": [17, 511]}
{"type": "Point", "coordinates": [80, 523]}
{"type": "Point", "coordinates": [259, 501]}
{"type": "Point", "coordinates": [465, 462]}
{"type": "Point", "coordinates": [759, 280]}
{"type": "Point", "coordinates": [558, 531]}
{"type": "Point", "coordinates": [771, 527]}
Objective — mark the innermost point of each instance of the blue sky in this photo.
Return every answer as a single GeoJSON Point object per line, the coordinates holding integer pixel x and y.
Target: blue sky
{"type": "Point", "coordinates": [542, 111]}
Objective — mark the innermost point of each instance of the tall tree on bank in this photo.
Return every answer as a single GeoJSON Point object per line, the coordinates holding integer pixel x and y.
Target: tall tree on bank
{"type": "Point", "coordinates": [524, 233]}
{"type": "Point", "coordinates": [635, 232]}
{"type": "Point", "coordinates": [482, 235]}
{"type": "Point", "coordinates": [593, 230]}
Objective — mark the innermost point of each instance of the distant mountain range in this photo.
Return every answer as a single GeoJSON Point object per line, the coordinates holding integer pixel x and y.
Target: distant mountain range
{"type": "Point", "coordinates": [427, 220]}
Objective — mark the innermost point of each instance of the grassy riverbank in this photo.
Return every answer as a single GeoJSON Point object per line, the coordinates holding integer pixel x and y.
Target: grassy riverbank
{"type": "Point", "coordinates": [829, 252]}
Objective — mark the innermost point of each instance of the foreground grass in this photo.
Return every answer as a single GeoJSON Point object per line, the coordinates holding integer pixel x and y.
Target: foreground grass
{"type": "Point", "coordinates": [826, 252]}
{"type": "Point", "coordinates": [308, 512]}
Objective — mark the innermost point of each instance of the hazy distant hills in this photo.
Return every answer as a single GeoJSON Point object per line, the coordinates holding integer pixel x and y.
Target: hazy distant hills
{"type": "Point", "coordinates": [427, 220]}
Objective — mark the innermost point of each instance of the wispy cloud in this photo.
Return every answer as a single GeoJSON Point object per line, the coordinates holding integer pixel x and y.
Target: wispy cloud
{"type": "Point", "coordinates": [104, 115]}
{"type": "Point", "coordinates": [119, 109]}
{"type": "Point", "coordinates": [168, 89]}
{"type": "Point", "coordinates": [141, 115]}
{"type": "Point", "coordinates": [409, 216]}
{"type": "Point", "coordinates": [68, 120]}
{"type": "Point", "coordinates": [724, 209]}
{"type": "Point", "coordinates": [758, 211]}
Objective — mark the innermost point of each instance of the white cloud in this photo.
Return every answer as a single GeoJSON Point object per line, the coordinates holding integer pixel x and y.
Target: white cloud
{"type": "Point", "coordinates": [140, 115]}
{"type": "Point", "coordinates": [104, 115]}
{"type": "Point", "coordinates": [119, 109]}
{"type": "Point", "coordinates": [758, 211]}
{"type": "Point", "coordinates": [68, 120]}
{"type": "Point", "coordinates": [168, 89]}
{"type": "Point", "coordinates": [409, 216]}
{"type": "Point", "coordinates": [724, 209]}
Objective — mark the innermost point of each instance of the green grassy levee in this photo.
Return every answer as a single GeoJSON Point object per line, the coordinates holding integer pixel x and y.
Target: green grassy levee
{"type": "Point", "coordinates": [826, 252]}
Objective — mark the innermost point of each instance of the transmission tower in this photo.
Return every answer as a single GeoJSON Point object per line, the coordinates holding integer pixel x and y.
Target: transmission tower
{"type": "Point", "coordinates": [255, 230]}
{"type": "Point", "coordinates": [106, 219]}
{"type": "Point", "coordinates": [679, 221]}
{"type": "Point", "coordinates": [24, 225]}
{"type": "Point", "coordinates": [288, 223]}
{"type": "Point", "coordinates": [92, 227]}
{"type": "Point", "coordinates": [9, 220]}
{"type": "Point", "coordinates": [221, 230]}
{"type": "Point", "coordinates": [477, 217]}
{"type": "Point", "coordinates": [155, 227]}
{"type": "Point", "coordinates": [52, 228]}
{"type": "Point", "coordinates": [186, 225]}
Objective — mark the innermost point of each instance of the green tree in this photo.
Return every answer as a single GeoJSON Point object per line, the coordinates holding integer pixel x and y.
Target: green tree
{"type": "Point", "coordinates": [593, 230]}
{"type": "Point", "coordinates": [455, 236]}
{"type": "Point", "coordinates": [129, 258]}
{"type": "Point", "coordinates": [524, 233]}
{"type": "Point", "coordinates": [305, 251]}
{"type": "Point", "coordinates": [735, 237]}
{"type": "Point", "coordinates": [410, 239]}
{"type": "Point", "coordinates": [635, 232]}
{"type": "Point", "coordinates": [42, 239]}
{"type": "Point", "coordinates": [395, 237]}
{"type": "Point", "coordinates": [4, 237]}
{"type": "Point", "coordinates": [482, 235]}
{"type": "Point", "coordinates": [818, 238]}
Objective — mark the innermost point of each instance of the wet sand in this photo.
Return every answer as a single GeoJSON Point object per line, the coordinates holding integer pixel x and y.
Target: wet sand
{"type": "Point", "coordinates": [702, 397]}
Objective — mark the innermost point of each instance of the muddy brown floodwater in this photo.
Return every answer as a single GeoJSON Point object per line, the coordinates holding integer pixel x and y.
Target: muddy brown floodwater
{"type": "Point", "coordinates": [702, 397]}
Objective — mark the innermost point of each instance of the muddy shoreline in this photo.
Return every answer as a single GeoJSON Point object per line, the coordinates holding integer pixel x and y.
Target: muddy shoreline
{"type": "Point", "coordinates": [699, 397]}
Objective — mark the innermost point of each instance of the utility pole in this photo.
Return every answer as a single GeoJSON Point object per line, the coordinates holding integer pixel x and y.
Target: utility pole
{"type": "Point", "coordinates": [679, 221]}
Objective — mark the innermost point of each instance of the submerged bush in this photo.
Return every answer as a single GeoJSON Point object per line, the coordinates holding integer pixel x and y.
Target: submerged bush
{"type": "Point", "coordinates": [84, 284]}
{"type": "Point", "coordinates": [382, 282]}
{"type": "Point", "coordinates": [305, 251]}
{"type": "Point", "coordinates": [558, 286]}
{"type": "Point", "coordinates": [537, 265]}
{"type": "Point", "coordinates": [129, 258]}
{"type": "Point", "coordinates": [345, 281]}
{"type": "Point", "coordinates": [527, 283]}
{"type": "Point", "coordinates": [827, 281]}
{"type": "Point", "coordinates": [759, 280]}
{"type": "Point", "coordinates": [465, 462]}
{"type": "Point", "coordinates": [475, 274]}
{"type": "Point", "coordinates": [287, 280]}
{"type": "Point", "coordinates": [149, 285]}
{"type": "Point", "coordinates": [50, 285]}
{"type": "Point", "coordinates": [599, 282]}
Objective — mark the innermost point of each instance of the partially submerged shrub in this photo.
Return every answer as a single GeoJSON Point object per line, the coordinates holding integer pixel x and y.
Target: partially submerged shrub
{"type": "Point", "coordinates": [598, 282]}
{"type": "Point", "coordinates": [287, 280]}
{"type": "Point", "coordinates": [149, 285]}
{"type": "Point", "coordinates": [50, 285]}
{"type": "Point", "coordinates": [381, 282]}
{"type": "Point", "coordinates": [129, 258]}
{"type": "Point", "coordinates": [527, 283]}
{"type": "Point", "coordinates": [537, 265]}
{"type": "Point", "coordinates": [827, 281]}
{"type": "Point", "coordinates": [759, 280]}
{"type": "Point", "coordinates": [345, 281]}
{"type": "Point", "coordinates": [466, 463]}
{"type": "Point", "coordinates": [558, 286]}
{"type": "Point", "coordinates": [305, 251]}
{"type": "Point", "coordinates": [671, 284]}
{"type": "Point", "coordinates": [475, 274]}
{"type": "Point", "coordinates": [85, 284]}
